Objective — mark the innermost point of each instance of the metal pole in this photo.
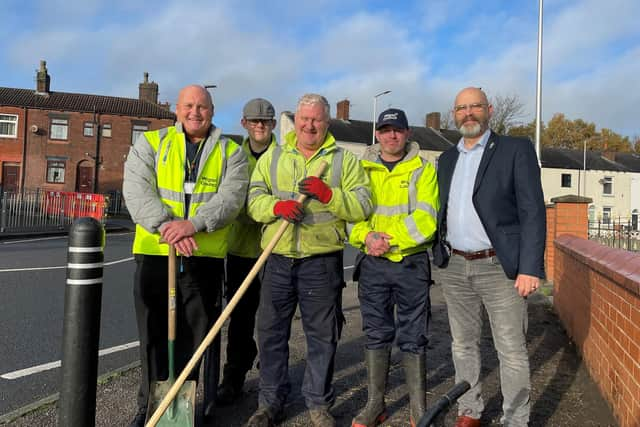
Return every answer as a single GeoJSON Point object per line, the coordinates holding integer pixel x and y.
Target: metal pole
{"type": "Point", "coordinates": [373, 131]}
{"type": "Point", "coordinates": [584, 168]}
{"type": "Point", "coordinates": [375, 105]}
{"type": "Point", "coordinates": [81, 325]}
{"type": "Point", "coordinates": [539, 85]}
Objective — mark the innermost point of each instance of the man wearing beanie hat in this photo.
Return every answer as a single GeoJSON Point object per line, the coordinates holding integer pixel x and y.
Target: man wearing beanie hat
{"type": "Point", "coordinates": [244, 249]}
{"type": "Point", "coordinates": [392, 268]}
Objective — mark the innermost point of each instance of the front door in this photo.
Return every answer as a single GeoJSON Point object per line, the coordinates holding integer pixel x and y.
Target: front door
{"type": "Point", "coordinates": [10, 178]}
{"type": "Point", "coordinates": [85, 180]}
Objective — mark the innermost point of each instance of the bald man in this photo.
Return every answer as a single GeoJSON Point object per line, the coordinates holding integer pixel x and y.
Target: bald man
{"type": "Point", "coordinates": [183, 186]}
{"type": "Point", "coordinates": [492, 218]}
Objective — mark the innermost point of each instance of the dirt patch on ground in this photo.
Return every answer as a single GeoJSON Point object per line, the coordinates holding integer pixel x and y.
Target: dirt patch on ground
{"type": "Point", "coordinates": [563, 393]}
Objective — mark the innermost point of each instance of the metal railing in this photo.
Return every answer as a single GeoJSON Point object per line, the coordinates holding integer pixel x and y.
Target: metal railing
{"type": "Point", "coordinates": [621, 234]}
{"type": "Point", "coordinates": [40, 210]}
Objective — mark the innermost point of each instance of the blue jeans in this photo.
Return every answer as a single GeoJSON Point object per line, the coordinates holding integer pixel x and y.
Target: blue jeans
{"type": "Point", "coordinates": [467, 286]}
{"type": "Point", "coordinates": [315, 284]}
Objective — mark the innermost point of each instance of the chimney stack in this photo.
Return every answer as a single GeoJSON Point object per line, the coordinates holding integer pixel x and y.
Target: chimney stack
{"type": "Point", "coordinates": [148, 91]}
{"type": "Point", "coordinates": [43, 80]}
{"type": "Point", "coordinates": [343, 110]}
{"type": "Point", "coordinates": [433, 120]}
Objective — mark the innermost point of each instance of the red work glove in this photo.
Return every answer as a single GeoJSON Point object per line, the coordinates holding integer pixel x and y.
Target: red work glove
{"type": "Point", "coordinates": [314, 187]}
{"type": "Point", "coordinates": [289, 210]}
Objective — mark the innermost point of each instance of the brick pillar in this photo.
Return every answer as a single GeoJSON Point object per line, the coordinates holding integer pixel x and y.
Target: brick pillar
{"type": "Point", "coordinates": [343, 110]}
{"type": "Point", "coordinates": [566, 215]}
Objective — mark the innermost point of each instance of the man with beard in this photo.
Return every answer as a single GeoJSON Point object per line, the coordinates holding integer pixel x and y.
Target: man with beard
{"type": "Point", "coordinates": [492, 217]}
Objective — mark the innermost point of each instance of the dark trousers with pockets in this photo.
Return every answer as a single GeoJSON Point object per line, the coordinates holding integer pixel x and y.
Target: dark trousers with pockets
{"type": "Point", "coordinates": [383, 285]}
{"type": "Point", "coordinates": [198, 284]}
{"type": "Point", "coordinates": [315, 284]}
{"type": "Point", "coordinates": [241, 347]}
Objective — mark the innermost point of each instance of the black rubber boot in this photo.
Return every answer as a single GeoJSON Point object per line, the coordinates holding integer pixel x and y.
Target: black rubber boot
{"type": "Point", "coordinates": [415, 371]}
{"type": "Point", "coordinates": [375, 412]}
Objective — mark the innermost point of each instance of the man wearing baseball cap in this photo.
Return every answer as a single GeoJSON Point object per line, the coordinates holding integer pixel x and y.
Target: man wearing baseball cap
{"type": "Point", "coordinates": [244, 249]}
{"type": "Point", "coordinates": [392, 269]}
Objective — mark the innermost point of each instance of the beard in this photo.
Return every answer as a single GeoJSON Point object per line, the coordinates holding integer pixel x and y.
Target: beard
{"type": "Point", "coordinates": [471, 130]}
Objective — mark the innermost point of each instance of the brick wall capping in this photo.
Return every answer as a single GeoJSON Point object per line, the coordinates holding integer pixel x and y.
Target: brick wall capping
{"type": "Point", "coordinates": [620, 266]}
{"type": "Point", "coordinates": [571, 198]}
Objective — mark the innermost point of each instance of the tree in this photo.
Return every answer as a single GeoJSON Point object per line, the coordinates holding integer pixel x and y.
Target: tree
{"type": "Point", "coordinates": [446, 120]}
{"type": "Point", "coordinates": [526, 131]}
{"type": "Point", "coordinates": [507, 111]}
{"type": "Point", "coordinates": [636, 143]}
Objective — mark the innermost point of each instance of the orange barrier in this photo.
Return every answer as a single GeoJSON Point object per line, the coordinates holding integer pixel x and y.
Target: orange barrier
{"type": "Point", "coordinates": [75, 205]}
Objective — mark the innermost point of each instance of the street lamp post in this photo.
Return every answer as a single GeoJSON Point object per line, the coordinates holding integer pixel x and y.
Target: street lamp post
{"type": "Point", "coordinates": [375, 105]}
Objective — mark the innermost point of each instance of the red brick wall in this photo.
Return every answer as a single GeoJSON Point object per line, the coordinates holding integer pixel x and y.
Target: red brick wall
{"type": "Point", "coordinates": [597, 296]}
{"type": "Point", "coordinates": [113, 150]}
{"type": "Point", "coordinates": [564, 217]}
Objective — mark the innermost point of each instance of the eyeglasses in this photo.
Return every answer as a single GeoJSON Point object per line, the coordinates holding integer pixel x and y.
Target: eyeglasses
{"type": "Point", "coordinates": [476, 107]}
{"type": "Point", "coordinates": [264, 122]}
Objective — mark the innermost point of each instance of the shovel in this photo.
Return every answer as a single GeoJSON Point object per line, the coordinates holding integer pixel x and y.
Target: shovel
{"type": "Point", "coordinates": [176, 388]}
{"type": "Point", "coordinates": [181, 411]}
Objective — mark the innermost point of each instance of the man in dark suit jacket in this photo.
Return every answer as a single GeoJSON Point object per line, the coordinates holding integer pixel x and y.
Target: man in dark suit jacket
{"type": "Point", "coordinates": [493, 218]}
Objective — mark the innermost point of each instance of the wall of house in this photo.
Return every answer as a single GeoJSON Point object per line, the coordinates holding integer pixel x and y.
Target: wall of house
{"type": "Point", "coordinates": [620, 202]}
{"type": "Point", "coordinates": [79, 150]}
{"type": "Point", "coordinates": [597, 297]}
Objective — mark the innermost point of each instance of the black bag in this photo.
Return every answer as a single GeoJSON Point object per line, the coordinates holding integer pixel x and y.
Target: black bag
{"type": "Point", "coordinates": [441, 249]}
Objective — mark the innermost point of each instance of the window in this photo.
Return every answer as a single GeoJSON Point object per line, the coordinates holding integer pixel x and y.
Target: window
{"type": "Point", "coordinates": [607, 186]}
{"type": "Point", "coordinates": [59, 129]}
{"type": "Point", "coordinates": [606, 215]}
{"type": "Point", "coordinates": [106, 130]}
{"type": "Point", "coordinates": [55, 171]}
{"type": "Point", "coordinates": [87, 130]}
{"type": "Point", "coordinates": [566, 180]}
{"type": "Point", "coordinates": [137, 130]}
{"type": "Point", "coordinates": [8, 126]}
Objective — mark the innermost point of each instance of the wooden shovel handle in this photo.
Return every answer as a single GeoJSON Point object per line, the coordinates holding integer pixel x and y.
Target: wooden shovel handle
{"type": "Point", "coordinates": [208, 339]}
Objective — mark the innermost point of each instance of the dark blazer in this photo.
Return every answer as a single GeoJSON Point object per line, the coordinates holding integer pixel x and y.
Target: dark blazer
{"type": "Point", "coordinates": [508, 198]}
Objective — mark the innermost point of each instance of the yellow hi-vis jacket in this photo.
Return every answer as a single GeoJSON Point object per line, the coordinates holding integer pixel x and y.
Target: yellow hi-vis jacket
{"type": "Point", "coordinates": [154, 189]}
{"type": "Point", "coordinates": [244, 237]}
{"type": "Point", "coordinates": [323, 229]}
{"type": "Point", "coordinates": [405, 203]}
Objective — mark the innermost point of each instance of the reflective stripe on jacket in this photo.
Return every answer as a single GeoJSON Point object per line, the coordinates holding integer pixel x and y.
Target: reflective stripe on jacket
{"type": "Point", "coordinates": [210, 209]}
{"type": "Point", "coordinates": [405, 203]}
{"type": "Point", "coordinates": [276, 177]}
{"type": "Point", "coordinates": [244, 237]}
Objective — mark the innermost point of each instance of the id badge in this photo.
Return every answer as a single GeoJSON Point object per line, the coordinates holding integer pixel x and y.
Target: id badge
{"type": "Point", "coordinates": [188, 187]}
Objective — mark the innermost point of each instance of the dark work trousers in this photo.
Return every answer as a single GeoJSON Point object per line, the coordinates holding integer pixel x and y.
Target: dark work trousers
{"type": "Point", "coordinates": [241, 348]}
{"type": "Point", "coordinates": [315, 284]}
{"type": "Point", "coordinates": [384, 284]}
{"type": "Point", "coordinates": [199, 281]}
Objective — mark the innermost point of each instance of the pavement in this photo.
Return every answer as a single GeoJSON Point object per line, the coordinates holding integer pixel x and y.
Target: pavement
{"type": "Point", "coordinates": [563, 394]}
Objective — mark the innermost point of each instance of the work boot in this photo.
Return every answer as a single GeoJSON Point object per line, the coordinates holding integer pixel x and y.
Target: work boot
{"type": "Point", "coordinates": [415, 372]}
{"type": "Point", "coordinates": [375, 412]}
{"type": "Point", "coordinates": [321, 417]}
{"type": "Point", "coordinates": [263, 417]}
{"type": "Point", "coordinates": [230, 389]}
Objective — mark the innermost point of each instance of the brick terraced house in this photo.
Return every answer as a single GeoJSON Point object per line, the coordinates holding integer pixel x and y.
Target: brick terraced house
{"type": "Point", "coordinates": [50, 140]}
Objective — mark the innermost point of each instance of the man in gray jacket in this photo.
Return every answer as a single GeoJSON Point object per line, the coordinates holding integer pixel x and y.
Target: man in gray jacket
{"type": "Point", "coordinates": [183, 186]}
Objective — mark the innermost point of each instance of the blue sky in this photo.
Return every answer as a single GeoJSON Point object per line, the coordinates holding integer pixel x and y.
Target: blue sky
{"type": "Point", "coordinates": [424, 51]}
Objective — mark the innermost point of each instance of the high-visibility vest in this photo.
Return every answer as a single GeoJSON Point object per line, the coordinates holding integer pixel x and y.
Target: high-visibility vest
{"type": "Point", "coordinates": [169, 146]}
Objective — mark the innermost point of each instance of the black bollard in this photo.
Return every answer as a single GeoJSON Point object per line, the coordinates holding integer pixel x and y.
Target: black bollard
{"type": "Point", "coordinates": [81, 330]}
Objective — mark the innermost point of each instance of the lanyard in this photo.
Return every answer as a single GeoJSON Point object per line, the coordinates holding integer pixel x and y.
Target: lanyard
{"type": "Point", "coordinates": [191, 164]}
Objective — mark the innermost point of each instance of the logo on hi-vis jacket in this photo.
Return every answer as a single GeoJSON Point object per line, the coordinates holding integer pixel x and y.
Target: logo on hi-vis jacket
{"type": "Point", "coordinates": [404, 184]}
{"type": "Point", "coordinates": [212, 182]}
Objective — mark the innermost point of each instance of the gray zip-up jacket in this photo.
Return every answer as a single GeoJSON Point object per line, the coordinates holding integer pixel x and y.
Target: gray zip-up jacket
{"type": "Point", "coordinates": [140, 188]}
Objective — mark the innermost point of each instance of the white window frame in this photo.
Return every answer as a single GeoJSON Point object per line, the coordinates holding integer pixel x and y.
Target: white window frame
{"type": "Point", "coordinates": [61, 126]}
{"type": "Point", "coordinates": [8, 119]}
{"type": "Point", "coordinates": [562, 176]}
{"type": "Point", "coordinates": [106, 130]}
{"type": "Point", "coordinates": [88, 129]}
{"type": "Point", "coordinates": [607, 214]}
{"type": "Point", "coordinates": [136, 130]}
{"type": "Point", "coordinates": [607, 180]}
{"type": "Point", "coordinates": [53, 166]}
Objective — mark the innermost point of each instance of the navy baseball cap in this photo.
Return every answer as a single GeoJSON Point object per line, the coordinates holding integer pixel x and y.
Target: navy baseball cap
{"type": "Point", "coordinates": [392, 117]}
